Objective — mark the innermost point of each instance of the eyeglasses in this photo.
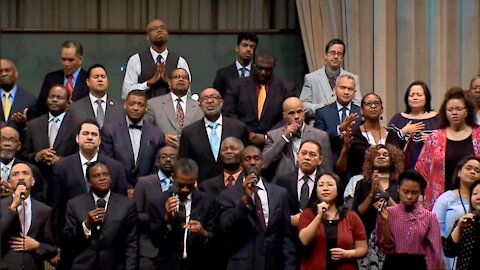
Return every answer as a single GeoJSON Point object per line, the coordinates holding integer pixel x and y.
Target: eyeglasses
{"type": "Point", "coordinates": [165, 156]}
{"type": "Point", "coordinates": [457, 109]}
{"type": "Point", "coordinates": [157, 28]}
{"type": "Point", "coordinates": [213, 97]}
{"type": "Point", "coordinates": [178, 77]}
{"type": "Point", "coordinates": [8, 140]}
{"type": "Point", "coordinates": [334, 53]}
{"type": "Point", "coordinates": [372, 103]}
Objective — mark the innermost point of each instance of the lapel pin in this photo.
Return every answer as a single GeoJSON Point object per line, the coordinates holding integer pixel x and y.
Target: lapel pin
{"type": "Point", "coordinates": [111, 103]}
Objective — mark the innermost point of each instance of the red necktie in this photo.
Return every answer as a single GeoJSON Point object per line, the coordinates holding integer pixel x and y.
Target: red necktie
{"type": "Point", "coordinates": [180, 113]}
{"type": "Point", "coordinates": [70, 84]}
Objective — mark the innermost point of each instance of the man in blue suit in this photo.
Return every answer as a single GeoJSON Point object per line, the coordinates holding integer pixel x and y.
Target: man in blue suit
{"type": "Point", "coordinates": [255, 217]}
{"type": "Point", "coordinates": [341, 115]}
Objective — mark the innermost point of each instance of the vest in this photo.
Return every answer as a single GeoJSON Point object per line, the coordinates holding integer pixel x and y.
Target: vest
{"type": "Point", "coordinates": [148, 68]}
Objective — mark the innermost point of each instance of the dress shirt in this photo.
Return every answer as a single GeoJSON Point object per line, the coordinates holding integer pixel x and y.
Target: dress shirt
{"type": "Point", "coordinates": [188, 210]}
{"type": "Point", "coordinates": [235, 177]}
{"type": "Point", "coordinates": [74, 79]}
{"type": "Point", "coordinates": [134, 69]}
{"type": "Point", "coordinates": [28, 214]}
{"type": "Point", "coordinates": [262, 193]}
{"type": "Point", "coordinates": [135, 137]}
{"type": "Point", "coordinates": [12, 96]}
{"type": "Point", "coordinates": [339, 111]}
{"type": "Point", "coordinates": [59, 123]}
{"type": "Point", "coordinates": [84, 161]}
{"type": "Point", "coordinates": [163, 178]}
{"type": "Point", "coordinates": [87, 231]}
{"type": "Point", "coordinates": [218, 130]}
{"type": "Point", "coordinates": [9, 166]}
{"type": "Point", "coordinates": [310, 183]}
{"type": "Point", "coordinates": [93, 101]}
{"type": "Point", "coordinates": [183, 103]}
{"type": "Point", "coordinates": [248, 69]}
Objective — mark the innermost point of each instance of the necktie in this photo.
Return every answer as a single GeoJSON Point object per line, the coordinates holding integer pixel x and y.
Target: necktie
{"type": "Point", "coordinates": [24, 215]}
{"type": "Point", "coordinates": [7, 106]}
{"type": "Point", "coordinates": [214, 140]}
{"type": "Point", "coordinates": [70, 84]}
{"type": "Point", "coordinates": [5, 172]}
{"type": "Point", "coordinates": [135, 126]}
{"type": "Point", "coordinates": [159, 59]}
{"type": "Point", "coordinates": [304, 193]}
{"type": "Point", "coordinates": [180, 113]}
{"type": "Point", "coordinates": [52, 134]}
{"type": "Point", "coordinates": [165, 184]}
{"type": "Point", "coordinates": [242, 72]}
{"type": "Point", "coordinates": [182, 213]}
{"type": "Point", "coordinates": [262, 95]}
{"type": "Point", "coordinates": [230, 180]}
{"type": "Point", "coordinates": [85, 165]}
{"type": "Point", "coordinates": [259, 209]}
{"type": "Point", "coordinates": [100, 112]}
{"type": "Point", "coordinates": [344, 114]}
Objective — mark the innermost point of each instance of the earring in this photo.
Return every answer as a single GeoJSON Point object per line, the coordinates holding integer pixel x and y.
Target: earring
{"type": "Point", "coordinates": [381, 118]}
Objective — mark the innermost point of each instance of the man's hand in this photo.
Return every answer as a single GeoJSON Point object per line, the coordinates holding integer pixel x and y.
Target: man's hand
{"type": "Point", "coordinates": [95, 216]}
{"type": "Point", "coordinates": [258, 140]}
{"type": "Point", "coordinates": [130, 193]}
{"type": "Point", "coordinates": [20, 118]}
{"type": "Point", "coordinates": [248, 187]}
{"type": "Point", "coordinates": [348, 121]}
{"type": "Point", "coordinates": [160, 74]}
{"type": "Point", "coordinates": [291, 130]}
{"type": "Point", "coordinates": [173, 140]}
{"type": "Point", "coordinates": [294, 219]}
{"type": "Point", "coordinates": [24, 244]}
{"type": "Point", "coordinates": [47, 155]}
{"type": "Point", "coordinates": [171, 206]}
{"type": "Point", "coordinates": [347, 137]}
{"type": "Point", "coordinates": [17, 196]}
{"type": "Point", "coordinates": [196, 228]}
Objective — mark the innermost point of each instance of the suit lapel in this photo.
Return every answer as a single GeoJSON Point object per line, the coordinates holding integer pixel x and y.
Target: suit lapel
{"type": "Point", "coordinates": [144, 140]}
{"type": "Point", "coordinates": [203, 137]}
{"type": "Point", "coordinates": [251, 90]}
{"type": "Point", "coordinates": [233, 72]}
{"type": "Point", "coordinates": [86, 104]}
{"type": "Point", "coordinates": [112, 208]}
{"type": "Point", "coordinates": [324, 84]}
{"type": "Point", "coordinates": [190, 110]}
{"type": "Point", "coordinates": [271, 203]}
{"type": "Point", "coordinates": [169, 109]}
{"type": "Point", "coordinates": [78, 171]}
{"type": "Point", "coordinates": [44, 141]}
{"type": "Point", "coordinates": [62, 130]}
{"type": "Point", "coordinates": [294, 187]}
{"type": "Point", "coordinates": [125, 135]}
{"type": "Point", "coordinates": [110, 108]}
{"type": "Point", "coordinates": [270, 95]}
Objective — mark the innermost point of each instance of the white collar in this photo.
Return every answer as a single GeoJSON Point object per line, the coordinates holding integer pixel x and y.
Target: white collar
{"type": "Point", "coordinates": [84, 160]}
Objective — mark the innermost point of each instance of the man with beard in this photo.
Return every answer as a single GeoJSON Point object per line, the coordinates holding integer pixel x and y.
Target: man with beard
{"type": "Point", "coordinates": [15, 100]}
{"type": "Point", "coordinates": [148, 70]}
{"type": "Point", "coordinates": [242, 67]}
{"type": "Point", "coordinates": [146, 187]}
{"type": "Point", "coordinates": [175, 110]}
{"type": "Point", "coordinates": [10, 144]}
{"type": "Point", "coordinates": [201, 140]}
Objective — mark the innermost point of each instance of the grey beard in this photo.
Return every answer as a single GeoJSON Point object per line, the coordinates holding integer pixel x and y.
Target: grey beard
{"type": "Point", "coordinates": [7, 155]}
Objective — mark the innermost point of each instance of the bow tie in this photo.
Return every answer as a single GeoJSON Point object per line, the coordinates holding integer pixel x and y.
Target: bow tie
{"type": "Point", "coordinates": [134, 126]}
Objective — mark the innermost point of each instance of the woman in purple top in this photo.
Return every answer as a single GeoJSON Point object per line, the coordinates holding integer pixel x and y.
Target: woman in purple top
{"type": "Point", "coordinates": [412, 127]}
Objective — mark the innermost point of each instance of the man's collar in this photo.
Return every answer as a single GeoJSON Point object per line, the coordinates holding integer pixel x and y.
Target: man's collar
{"type": "Point", "coordinates": [84, 160]}
{"type": "Point", "coordinates": [340, 106]}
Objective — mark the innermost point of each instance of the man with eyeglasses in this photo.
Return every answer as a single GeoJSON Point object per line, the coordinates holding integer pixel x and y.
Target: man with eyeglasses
{"type": "Point", "coordinates": [148, 70]}
{"type": "Point", "coordinates": [174, 111]}
{"type": "Point", "coordinates": [317, 91]}
{"type": "Point", "coordinates": [340, 116]}
{"type": "Point", "coordinates": [201, 140]}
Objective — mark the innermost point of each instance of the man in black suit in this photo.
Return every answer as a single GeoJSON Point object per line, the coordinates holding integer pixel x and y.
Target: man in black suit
{"type": "Point", "coordinates": [51, 136]}
{"type": "Point", "coordinates": [98, 104]}
{"type": "Point", "coordinates": [201, 140]}
{"type": "Point", "coordinates": [182, 222]}
{"type": "Point", "coordinates": [242, 67]}
{"type": "Point", "coordinates": [341, 115]}
{"type": "Point", "coordinates": [20, 215]}
{"type": "Point", "coordinates": [257, 100]}
{"type": "Point", "coordinates": [256, 219]}
{"type": "Point", "coordinates": [301, 185]}
{"type": "Point", "coordinates": [69, 178]}
{"type": "Point", "coordinates": [230, 152]}
{"type": "Point", "coordinates": [101, 226]}
{"type": "Point", "coordinates": [132, 140]}
{"type": "Point", "coordinates": [72, 75]}
{"type": "Point", "coordinates": [19, 101]}
{"type": "Point", "coordinates": [146, 187]}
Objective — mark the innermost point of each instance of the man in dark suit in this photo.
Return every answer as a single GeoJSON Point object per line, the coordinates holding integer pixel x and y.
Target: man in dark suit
{"type": "Point", "coordinates": [101, 226]}
{"type": "Point", "coordinates": [25, 216]}
{"type": "Point", "coordinates": [51, 136]}
{"type": "Point", "coordinates": [341, 115]}
{"type": "Point", "coordinates": [72, 75]}
{"type": "Point", "coordinates": [146, 187]}
{"type": "Point", "coordinates": [133, 141]}
{"type": "Point", "coordinates": [201, 140]}
{"type": "Point", "coordinates": [18, 102]}
{"type": "Point", "coordinates": [242, 67]}
{"type": "Point", "coordinates": [301, 185]}
{"type": "Point", "coordinates": [256, 218]}
{"type": "Point", "coordinates": [283, 144]}
{"type": "Point", "coordinates": [183, 224]}
{"type": "Point", "coordinates": [69, 178]}
{"type": "Point", "coordinates": [98, 104]}
{"type": "Point", "coordinates": [257, 100]}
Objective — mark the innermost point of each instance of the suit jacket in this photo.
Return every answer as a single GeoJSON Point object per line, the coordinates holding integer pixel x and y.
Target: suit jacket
{"type": "Point", "coordinates": [82, 109]}
{"type": "Point", "coordinates": [114, 246]}
{"type": "Point", "coordinates": [241, 100]}
{"type": "Point", "coordinates": [317, 93]}
{"type": "Point", "coordinates": [69, 182]}
{"type": "Point", "coordinates": [146, 187]}
{"type": "Point", "coordinates": [223, 78]}
{"type": "Point", "coordinates": [161, 113]}
{"type": "Point", "coordinates": [117, 145]}
{"type": "Point", "coordinates": [327, 119]}
{"type": "Point", "coordinates": [40, 230]}
{"type": "Point", "coordinates": [215, 185]}
{"type": "Point", "coordinates": [194, 144]}
{"type": "Point", "coordinates": [80, 89]}
{"type": "Point", "coordinates": [22, 100]}
{"type": "Point", "coordinates": [278, 154]}
{"type": "Point", "coordinates": [170, 240]}
{"type": "Point", "coordinates": [250, 247]}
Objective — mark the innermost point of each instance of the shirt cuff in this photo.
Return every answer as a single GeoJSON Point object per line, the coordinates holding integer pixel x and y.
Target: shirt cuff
{"type": "Point", "coordinates": [86, 230]}
{"type": "Point", "coordinates": [339, 133]}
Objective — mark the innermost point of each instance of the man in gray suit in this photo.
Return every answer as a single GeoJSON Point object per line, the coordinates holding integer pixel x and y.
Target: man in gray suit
{"type": "Point", "coordinates": [317, 88]}
{"type": "Point", "coordinates": [98, 105]}
{"type": "Point", "coordinates": [283, 143]}
{"type": "Point", "coordinates": [174, 111]}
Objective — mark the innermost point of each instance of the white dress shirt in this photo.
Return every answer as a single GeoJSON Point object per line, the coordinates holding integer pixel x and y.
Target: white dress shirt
{"type": "Point", "coordinates": [86, 230]}
{"type": "Point", "coordinates": [135, 137]}
{"type": "Point", "coordinates": [93, 101]}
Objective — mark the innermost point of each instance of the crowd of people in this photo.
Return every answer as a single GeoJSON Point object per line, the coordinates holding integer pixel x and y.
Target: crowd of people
{"type": "Point", "coordinates": [249, 176]}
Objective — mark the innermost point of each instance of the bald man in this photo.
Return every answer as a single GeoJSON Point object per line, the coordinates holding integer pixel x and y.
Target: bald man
{"type": "Point", "coordinates": [148, 70]}
{"type": "Point", "coordinates": [201, 140]}
{"type": "Point", "coordinates": [282, 144]}
{"type": "Point", "coordinates": [15, 100]}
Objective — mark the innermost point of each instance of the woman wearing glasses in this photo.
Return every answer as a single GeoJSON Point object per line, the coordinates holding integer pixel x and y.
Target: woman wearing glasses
{"type": "Point", "coordinates": [412, 127]}
{"type": "Point", "coordinates": [458, 136]}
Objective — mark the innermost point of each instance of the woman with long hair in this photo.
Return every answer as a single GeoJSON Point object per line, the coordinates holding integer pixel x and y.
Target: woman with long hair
{"type": "Point", "coordinates": [333, 236]}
